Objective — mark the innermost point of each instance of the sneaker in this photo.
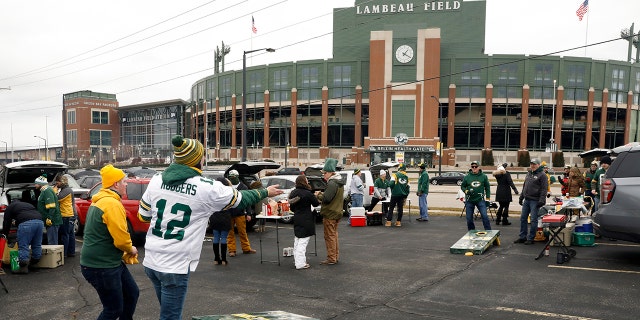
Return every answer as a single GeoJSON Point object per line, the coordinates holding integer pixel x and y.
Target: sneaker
{"type": "Point", "coordinates": [497, 222]}
{"type": "Point", "coordinates": [306, 266]}
{"type": "Point", "coordinates": [520, 240]}
{"type": "Point", "coordinates": [250, 251]}
{"type": "Point", "coordinates": [528, 242]}
{"type": "Point", "coordinates": [327, 262]}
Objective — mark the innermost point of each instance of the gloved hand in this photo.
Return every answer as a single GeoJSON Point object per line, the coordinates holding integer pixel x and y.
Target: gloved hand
{"type": "Point", "coordinates": [560, 178]}
{"type": "Point", "coordinates": [48, 222]}
{"type": "Point", "coordinates": [541, 204]}
{"type": "Point", "coordinates": [520, 201]}
{"type": "Point", "coordinates": [129, 258]}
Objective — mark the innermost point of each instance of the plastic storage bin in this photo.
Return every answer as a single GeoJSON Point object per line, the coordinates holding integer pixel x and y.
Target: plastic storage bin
{"type": "Point", "coordinates": [584, 239]}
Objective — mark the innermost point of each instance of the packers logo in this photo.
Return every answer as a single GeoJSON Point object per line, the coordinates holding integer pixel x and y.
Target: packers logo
{"type": "Point", "coordinates": [475, 184]}
{"type": "Point", "coordinates": [403, 181]}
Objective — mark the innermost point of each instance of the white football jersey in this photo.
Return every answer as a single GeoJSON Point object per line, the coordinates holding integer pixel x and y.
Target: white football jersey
{"type": "Point", "coordinates": [179, 216]}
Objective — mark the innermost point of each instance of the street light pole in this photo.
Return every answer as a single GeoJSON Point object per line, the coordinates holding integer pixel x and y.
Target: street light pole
{"type": "Point", "coordinates": [45, 147]}
{"type": "Point", "coordinates": [5, 151]}
{"type": "Point", "coordinates": [244, 99]}
{"type": "Point", "coordinates": [439, 134]}
{"type": "Point", "coordinates": [553, 124]}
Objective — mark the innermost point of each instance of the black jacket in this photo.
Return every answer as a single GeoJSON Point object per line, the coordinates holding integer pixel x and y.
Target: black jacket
{"type": "Point", "coordinates": [300, 202]}
{"type": "Point", "coordinates": [20, 212]}
{"type": "Point", "coordinates": [220, 221]}
{"type": "Point", "coordinates": [505, 184]}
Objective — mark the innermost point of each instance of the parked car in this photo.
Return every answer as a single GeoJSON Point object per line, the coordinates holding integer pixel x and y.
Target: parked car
{"type": "Point", "coordinates": [130, 199]}
{"type": "Point", "coordinates": [248, 172]}
{"type": "Point", "coordinates": [289, 171]}
{"type": "Point", "coordinates": [287, 183]}
{"type": "Point", "coordinates": [78, 191]}
{"type": "Point", "coordinates": [17, 177]}
{"type": "Point", "coordinates": [89, 181]}
{"type": "Point", "coordinates": [448, 178]}
{"type": "Point", "coordinates": [141, 172]}
{"type": "Point", "coordinates": [618, 215]}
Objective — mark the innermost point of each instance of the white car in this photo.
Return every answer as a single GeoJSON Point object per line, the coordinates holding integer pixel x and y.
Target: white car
{"type": "Point", "coordinates": [20, 176]}
{"type": "Point", "coordinates": [287, 184]}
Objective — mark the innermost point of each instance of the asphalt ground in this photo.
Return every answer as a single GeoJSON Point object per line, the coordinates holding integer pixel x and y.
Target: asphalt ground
{"type": "Point", "coordinates": [403, 272]}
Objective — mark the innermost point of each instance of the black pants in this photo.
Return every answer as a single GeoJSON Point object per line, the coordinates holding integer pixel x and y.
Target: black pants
{"type": "Point", "coordinates": [375, 201]}
{"type": "Point", "coordinates": [399, 201]}
{"type": "Point", "coordinates": [503, 212]}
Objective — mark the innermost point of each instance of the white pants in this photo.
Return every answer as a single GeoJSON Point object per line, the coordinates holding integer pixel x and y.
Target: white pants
{"type": "Point", "coordinates": [300, 251]}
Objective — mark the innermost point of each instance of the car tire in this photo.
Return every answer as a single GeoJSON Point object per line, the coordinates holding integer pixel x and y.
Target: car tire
{"type": "Point", "coordinates": [459, 182]}
{"type": "Point", "coordinates": [434, 182]}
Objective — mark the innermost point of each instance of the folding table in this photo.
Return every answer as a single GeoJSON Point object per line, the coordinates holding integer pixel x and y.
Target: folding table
{"type": "Point", "coordinates": [556, 223]}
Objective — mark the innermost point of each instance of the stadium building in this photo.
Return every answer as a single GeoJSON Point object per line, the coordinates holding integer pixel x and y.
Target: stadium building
{"type": "Point", "coordinates": [406, 75]}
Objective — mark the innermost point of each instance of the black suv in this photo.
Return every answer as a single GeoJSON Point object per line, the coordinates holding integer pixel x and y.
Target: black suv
{"type": "Point", "coordinates": [618, 215]}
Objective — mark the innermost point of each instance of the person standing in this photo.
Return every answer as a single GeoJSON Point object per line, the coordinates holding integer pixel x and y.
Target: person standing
{"type": "Point", "coordinates": [589, 175]}
{"type": "Point", "coordinates": [503, 194]}
{"type": "Point", "coordinates": [399, 185]}
{"type": "Point", "coordinates": [239, 217]}
{"type": "Point", "coordinates": [564, 180]}
{"type": "Point", "coordinates": [177, 204]}
{"type": "Point", "coordinates": [605, 162]}
{"type": "Point", "coordinates": [356, 189]}
{"type": "Point", "coordinates": [30, 226]}
{"type": "Point", "coordinates": [423, 191]}
{"type": "Point", "coordinates": [220, 223]}
{"type": "Point", "coordinates": [532, 198]}
{"type": "Point", "coordinates": [68, 213]}
{"type": "Point", "coordinates": [477, 190]}
{"type": "Point", "coordinates": [106, 244]}
{"type": "Point", "coordinates": [380, 191]}
{"type": "Point", "coordinates": [331, 200]}
{"type": "Point", "coordinates": [49, 208]}
{"type": "Point", "coordinates": [301, 199]}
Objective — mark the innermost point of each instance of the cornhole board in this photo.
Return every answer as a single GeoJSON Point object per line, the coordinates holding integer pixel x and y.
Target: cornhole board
{"type": "Point", "coordinates": [476, 241]}
{"type": "Point", "coordinates": [257, 315]}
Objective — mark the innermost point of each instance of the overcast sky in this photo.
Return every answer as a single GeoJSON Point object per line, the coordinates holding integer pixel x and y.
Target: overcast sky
{"type": "Point", "coordinates": [146, 51]}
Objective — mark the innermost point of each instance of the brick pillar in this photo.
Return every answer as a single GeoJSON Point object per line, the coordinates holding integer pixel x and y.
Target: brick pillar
{"type": "Point", "coordinates": [324, 135]}
{"type": "Point", "coordinates": [627, 118]}
{"type": "Point", "coordinates": [293, 150]}
{"type": "Point", "coordinates": [234, 128]}
{"type": "Point", "coordinates": [557, 126]}
{"type": "Point", "coordinates": [524, 119]}
{"type": "Point", "coordinates": [589, 131]}
{"type": "Point", "coordinates": [488, 116]}
{"type": "Point", "coordinates": [218, 127]}
{"type": "Point", "coordinates": [603, 118]}
{"type": "Point", "coordinates": [266, 150]}
{"type": "Point", "coordinates": [451, 115]}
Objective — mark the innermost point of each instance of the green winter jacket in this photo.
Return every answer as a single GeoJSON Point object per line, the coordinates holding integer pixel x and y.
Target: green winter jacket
{"type": "Point", "coordinates": [423, 183]}
{"type": "Point", "coordinates": [476, 186]}
{"type": "Point", "coordinates": [399, 184]}
{"type": "Point", "coordinates": [332, 198]}
{"type": "Point", "coordinates": [49, 207]}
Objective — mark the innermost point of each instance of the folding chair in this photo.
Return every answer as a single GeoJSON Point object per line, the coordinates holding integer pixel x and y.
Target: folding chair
{"type": "Point", "coordinates": [491, 210]}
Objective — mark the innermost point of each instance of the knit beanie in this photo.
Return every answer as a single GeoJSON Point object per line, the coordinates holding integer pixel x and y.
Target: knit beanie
{"type": "Point", "coordinates": [110, 175]}
{"type": "Point", "coordinates": [605, 160]}
{"type": "Point", "coordinates": [402, 167]}
{"type": "Point", "coordinates": [187, 151]}
{"type": "Point", "coordinates": [41, 180]}
{"type": "Point", "coordinates": [330, 165]}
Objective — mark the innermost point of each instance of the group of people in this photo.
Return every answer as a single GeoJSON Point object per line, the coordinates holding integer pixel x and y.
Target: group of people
{"type": "Point", "coordinates": [178, 204]}
{"type": "Point", "coordinates": [54, 212]}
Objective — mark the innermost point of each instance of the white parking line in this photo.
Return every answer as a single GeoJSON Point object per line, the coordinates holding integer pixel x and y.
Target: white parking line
{"type": "Point", "coordinates": [544, 314]}
{"type": "Point", "coordinates": [618, 244]}
{"type": "Point", "coordinates": [594, 269]}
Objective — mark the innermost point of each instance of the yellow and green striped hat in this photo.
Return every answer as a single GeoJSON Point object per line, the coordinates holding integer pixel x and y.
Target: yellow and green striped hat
{"type": "Point", "coordinates": [187, 151]}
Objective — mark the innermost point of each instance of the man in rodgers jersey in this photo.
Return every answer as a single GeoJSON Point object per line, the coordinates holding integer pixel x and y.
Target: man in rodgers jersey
{"type": "Point", "coordinates": [178, 204]}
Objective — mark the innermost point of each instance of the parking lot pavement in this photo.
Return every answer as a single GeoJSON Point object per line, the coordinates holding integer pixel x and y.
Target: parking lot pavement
{"type": "Point", "coordinates": [384, 273]}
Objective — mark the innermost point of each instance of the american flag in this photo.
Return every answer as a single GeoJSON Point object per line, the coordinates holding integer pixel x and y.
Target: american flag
{"type": "Point", "coordinates": [253, 25]}
{"type": "Point", "coordinates": [584, 7]}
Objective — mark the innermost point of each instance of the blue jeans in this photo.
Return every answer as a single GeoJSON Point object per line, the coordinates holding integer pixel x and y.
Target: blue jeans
{"type": "Point", "coordinates": [171, 290]}
{"type": "Point", "coordinates": [30, 233]}
{"type": "Point", "coordinates": [529, 207]}
{"type": "Point", "coordinates": [356, 200]}
{"type": "Point", "coordinates": [482, 207]}
{"type": "Point", "coordinates": [422, 203]}
{"type": "Point", "coordinates": [68, 237]}
{"type": "Point", "coordinates": [220, 236]}
{"type": "Point", "coordinates": [116, 288]}
{"type": "Point", "coordinates": [52, 234]}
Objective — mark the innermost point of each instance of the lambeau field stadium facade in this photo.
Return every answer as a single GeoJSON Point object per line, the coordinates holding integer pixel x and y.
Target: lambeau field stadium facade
{"type": "Point", "coordinates": [407, 76]}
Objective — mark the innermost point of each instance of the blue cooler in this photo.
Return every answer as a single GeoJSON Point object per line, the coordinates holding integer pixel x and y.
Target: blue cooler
{"type": "Point", "coordinates": [584, 225]}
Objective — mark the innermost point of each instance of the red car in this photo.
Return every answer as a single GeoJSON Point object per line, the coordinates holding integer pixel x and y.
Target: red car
{"type": "Point", "coordinates": [130, 200]}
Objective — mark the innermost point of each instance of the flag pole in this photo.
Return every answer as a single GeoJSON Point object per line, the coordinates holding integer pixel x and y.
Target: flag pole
{"type": "Point", "coordinates": [586, 33]}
